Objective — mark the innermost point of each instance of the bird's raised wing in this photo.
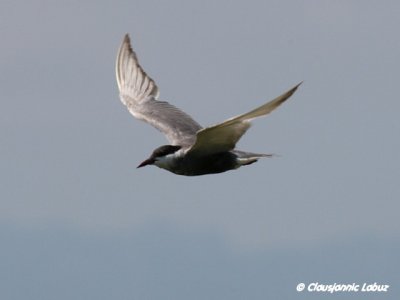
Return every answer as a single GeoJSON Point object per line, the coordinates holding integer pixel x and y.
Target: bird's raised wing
{"type": "Point", "coordinates": [224, 136]}
{"type": "Point", "coordinates": [140, 93]}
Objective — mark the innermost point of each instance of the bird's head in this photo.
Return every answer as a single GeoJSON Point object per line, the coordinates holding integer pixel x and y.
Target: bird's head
{"type": "Point", "coordinates": [159, 154]}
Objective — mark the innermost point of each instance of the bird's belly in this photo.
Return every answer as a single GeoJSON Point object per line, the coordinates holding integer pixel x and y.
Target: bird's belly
{"type": "Point", "coordinates": [208, 164]}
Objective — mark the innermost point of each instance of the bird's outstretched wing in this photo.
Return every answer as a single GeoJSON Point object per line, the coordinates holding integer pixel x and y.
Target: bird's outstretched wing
{"type": "Point", "coordinates": [140, 93]}
{"type": "Point", "coordinates": [224, 136]}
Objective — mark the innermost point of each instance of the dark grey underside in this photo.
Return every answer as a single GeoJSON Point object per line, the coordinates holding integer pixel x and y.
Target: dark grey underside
{"type": "Point", "coordinates": [210, 164]}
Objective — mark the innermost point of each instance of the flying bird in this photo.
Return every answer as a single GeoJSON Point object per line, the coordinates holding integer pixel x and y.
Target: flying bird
{"type": "Point", "coordinates": [192, 150]}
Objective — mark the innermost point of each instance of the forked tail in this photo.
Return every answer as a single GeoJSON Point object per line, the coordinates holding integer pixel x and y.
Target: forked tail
{"type": "Point", "coordinates": [247, 158]}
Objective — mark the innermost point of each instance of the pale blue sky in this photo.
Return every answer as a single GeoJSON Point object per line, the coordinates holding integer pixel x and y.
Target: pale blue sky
{"type": "Point", "coordinates": [79, 221]}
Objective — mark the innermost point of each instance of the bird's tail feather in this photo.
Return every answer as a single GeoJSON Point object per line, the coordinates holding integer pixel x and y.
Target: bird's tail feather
{"type": "Point", "coordinates": [247, 158]}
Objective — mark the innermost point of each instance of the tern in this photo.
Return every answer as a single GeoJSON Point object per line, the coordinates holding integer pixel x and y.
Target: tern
{"type": "Point", "coordinates": [192, 150]}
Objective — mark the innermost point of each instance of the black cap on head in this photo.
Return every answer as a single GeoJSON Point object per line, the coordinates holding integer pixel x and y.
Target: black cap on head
{"type": "Point", "coordinates": [165, 150]}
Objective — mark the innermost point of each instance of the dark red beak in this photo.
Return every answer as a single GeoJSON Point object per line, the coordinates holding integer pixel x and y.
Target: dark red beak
{"type": "Point", "coordinates": [148, 161]}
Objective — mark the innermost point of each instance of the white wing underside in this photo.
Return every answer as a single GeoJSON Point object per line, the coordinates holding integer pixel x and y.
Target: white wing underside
{"type": "Point", "coordinates": [139, 93]}
{"type": "Point", "coordinates": [224, 136]}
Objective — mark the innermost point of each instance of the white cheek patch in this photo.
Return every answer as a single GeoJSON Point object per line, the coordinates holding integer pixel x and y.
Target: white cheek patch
{"type": "Point", "coordinates": [164, 162]}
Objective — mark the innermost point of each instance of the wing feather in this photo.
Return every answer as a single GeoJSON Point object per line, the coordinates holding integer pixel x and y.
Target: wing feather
{"type": "Point", "coordinates": [140, 93]}
{"type": "Point", "coordinates": [224, 136]}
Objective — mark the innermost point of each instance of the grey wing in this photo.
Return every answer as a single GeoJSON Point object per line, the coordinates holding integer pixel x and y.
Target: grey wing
{"type": "Point", "coordinates": [224, 136]}
{"type": "Point", "coordinates": [139, 93]}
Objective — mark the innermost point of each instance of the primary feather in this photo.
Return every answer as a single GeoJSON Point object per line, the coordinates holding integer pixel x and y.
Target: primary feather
{"type": "Point", "coordinates": [140, 93]}
{"type": "Point", "coordinates": [224, 136]}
